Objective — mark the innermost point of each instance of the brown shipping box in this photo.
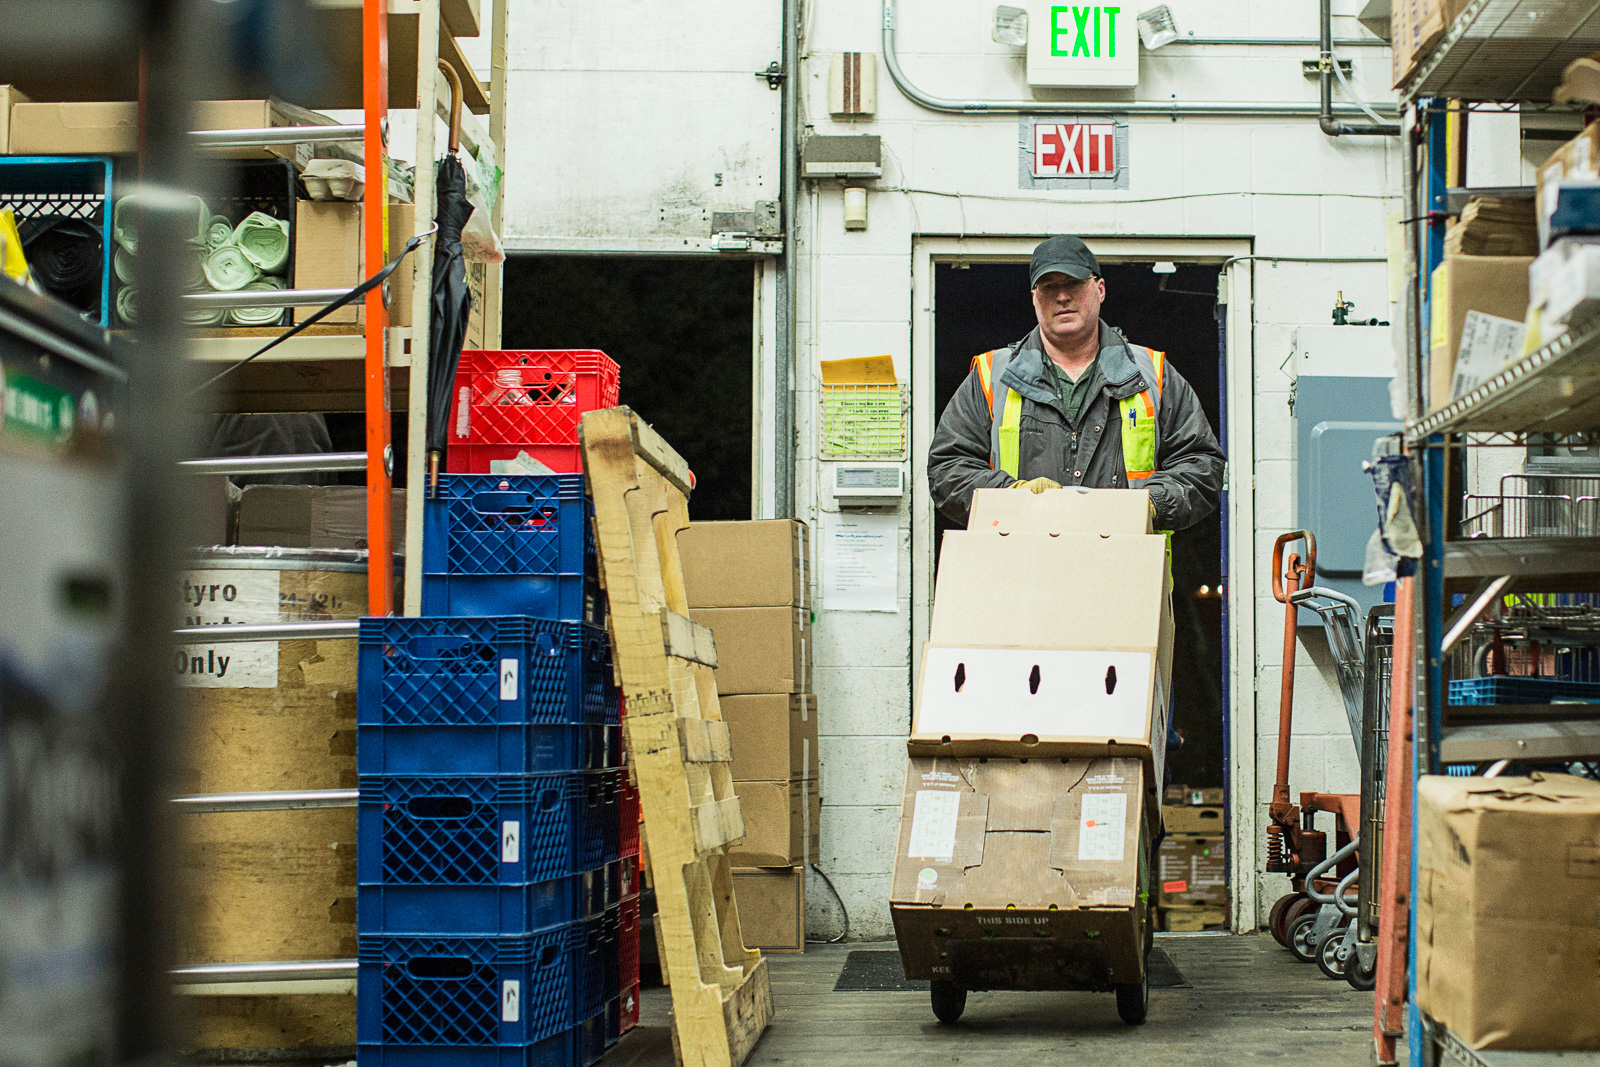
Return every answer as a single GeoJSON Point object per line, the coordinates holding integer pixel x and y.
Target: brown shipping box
{"type": "Point", "coordinates": [1415, 26]}
{"type": "Point", "coordinates": [780, 824]}
{"type": "Point", "coordinates": [1494, 285]}
{"type": "Point", "coordinates": [1022, 874]}
{"type": "Point", "coordinates": [1058, 645]}
{"type": "Point", "coordinates": [746, 564]}
{"type": "Point", "coordinates": [772, 907]}
{"type": "Point", "coordinates": [9, 96]}
{"type": "Point", "coordinates": [774, 736]}
{"type": "Point", "coordinates": [1192, 819]}
{"type": "Point", "coordinates": [1192, 869]}
{"type": "Point", "coordinates": [1072, 510]}
{"type": "Point", "coordinates": [760, 650]}
{"type": "Point", "coordinates": [1577, 158]}
{"type": "Point", "coordinates": [330, 254]}
{"type": "Point", "coordinates": [1196, 797]}
{"type": "Point", "coordinates": [312, 516]}
{"type": "Point", "coordinates": [112, 127]}
{"type": "Point", "coordinates": [1507, 934]}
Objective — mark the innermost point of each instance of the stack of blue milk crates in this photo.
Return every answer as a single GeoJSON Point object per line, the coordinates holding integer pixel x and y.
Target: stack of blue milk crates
{"type": "Point", "coordinates": [489, 752]}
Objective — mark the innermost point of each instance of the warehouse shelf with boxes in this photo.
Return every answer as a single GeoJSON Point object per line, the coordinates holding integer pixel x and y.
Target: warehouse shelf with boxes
{"type": "Point", "coordinates": [1493, 742]}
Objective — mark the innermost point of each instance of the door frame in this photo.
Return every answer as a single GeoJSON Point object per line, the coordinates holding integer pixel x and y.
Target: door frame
{"type": "Point", "coordinates": [1238, 403]}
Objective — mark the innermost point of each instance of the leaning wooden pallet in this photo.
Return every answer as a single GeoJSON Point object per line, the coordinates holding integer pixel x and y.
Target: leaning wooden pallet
{"type": "Point", "coordinates": [677, 743]}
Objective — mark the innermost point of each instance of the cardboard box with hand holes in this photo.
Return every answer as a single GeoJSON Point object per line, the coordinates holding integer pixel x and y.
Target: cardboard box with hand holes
{"type": "Point", "coordinates": [1052, 631]}
{"type": "Point", "coordinates": [1508, 910]}
{"type": "Point", "coordinates": [1023, 874]}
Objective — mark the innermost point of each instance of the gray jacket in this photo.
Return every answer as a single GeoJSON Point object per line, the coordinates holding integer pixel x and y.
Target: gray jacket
{"type": "Point", "coordinates": [1185, 488]}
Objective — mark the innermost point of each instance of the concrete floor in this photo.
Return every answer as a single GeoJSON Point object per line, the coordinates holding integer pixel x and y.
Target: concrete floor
{"type": "Point", "coordinates": [1247, 1001]}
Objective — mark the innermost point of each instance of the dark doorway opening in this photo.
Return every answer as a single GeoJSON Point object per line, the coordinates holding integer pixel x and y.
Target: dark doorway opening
{"type": "Point", "coordinates": [983, 306]}
{"type": "Point", "coordinates": [680, 329]}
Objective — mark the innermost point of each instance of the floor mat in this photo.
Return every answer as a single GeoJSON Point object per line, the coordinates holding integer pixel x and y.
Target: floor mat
{"type": "Point", "coordinates": [879, 971]}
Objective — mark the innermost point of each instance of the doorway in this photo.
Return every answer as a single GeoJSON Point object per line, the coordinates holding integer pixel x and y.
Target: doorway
{"type": "Point", "coordinates": [980, 306]}
{"type": "Point", "coordinates": [679, 329]}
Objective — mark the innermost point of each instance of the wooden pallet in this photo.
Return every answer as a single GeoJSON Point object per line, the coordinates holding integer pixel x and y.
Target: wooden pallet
{"type": "Point", "coordinates": [677, 742]}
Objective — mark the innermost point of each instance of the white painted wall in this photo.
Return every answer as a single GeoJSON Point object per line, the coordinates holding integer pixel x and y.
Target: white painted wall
{"type": "Point", "coordinates": [1278, 187]}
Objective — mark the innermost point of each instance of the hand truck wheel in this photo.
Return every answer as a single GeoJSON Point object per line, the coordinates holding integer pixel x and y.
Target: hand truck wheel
{"type": "Point", "coordinates": [949, 1000]}
{"type": "Point", "coordinates": [1299, 942]}
{"type": "Point", "coordinates": [1361, 978]}
{"type": "Point", "coordinates": [1333, 954]}
{"type": "Point", "coordinates": [1280, 910]}
{"type": "Point", "coordinates": [1133, 1001]}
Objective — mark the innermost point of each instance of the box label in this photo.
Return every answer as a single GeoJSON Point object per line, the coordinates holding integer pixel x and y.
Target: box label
{"type": "Point", "coordinates": [933, 824]}
{"type": "Point", "coordinates": [1102, 827]}
{"type": "Point", "coordinates": [508, 679]}
{"type": "Point", "coordinates": [510, 841]}
{"type": "Point", "coordinates": [510, 1001]}
{"type": "Point", "coordinates": [219, 598]}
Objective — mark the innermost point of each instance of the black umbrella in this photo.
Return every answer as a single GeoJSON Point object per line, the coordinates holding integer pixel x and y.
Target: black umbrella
{"type": "Point", "coordinates": [451, 301]}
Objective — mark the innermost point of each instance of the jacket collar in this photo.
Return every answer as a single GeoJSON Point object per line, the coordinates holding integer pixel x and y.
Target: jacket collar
{"type": "Point", "coordinates": [1027, 374]}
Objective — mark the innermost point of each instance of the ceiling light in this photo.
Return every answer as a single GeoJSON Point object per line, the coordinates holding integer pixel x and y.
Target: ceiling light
{"type": "Point", "coordinates": [1164, 268]}
{"type": "Point", "coordinates": [1157, 27]}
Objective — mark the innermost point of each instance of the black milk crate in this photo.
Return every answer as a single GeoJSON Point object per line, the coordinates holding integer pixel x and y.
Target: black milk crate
{"type": "Point", "coordinates": [46, 192]}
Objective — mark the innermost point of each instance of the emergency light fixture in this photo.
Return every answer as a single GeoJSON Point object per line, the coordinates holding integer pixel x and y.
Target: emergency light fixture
{"type": "Point", "coordinates": [868, 485]}
{"type": "Point", "coordinates": [1010, 26]}
{"type": "Point", "coordinates": [1157, 27]}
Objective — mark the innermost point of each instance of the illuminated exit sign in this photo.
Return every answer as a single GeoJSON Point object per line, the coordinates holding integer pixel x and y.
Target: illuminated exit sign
{"type": "Point", "coordinates": [1082, 44]}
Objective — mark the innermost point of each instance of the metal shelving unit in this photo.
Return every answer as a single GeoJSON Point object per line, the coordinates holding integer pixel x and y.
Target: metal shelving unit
{"type": "Point", "coordinates": [1506, 51]}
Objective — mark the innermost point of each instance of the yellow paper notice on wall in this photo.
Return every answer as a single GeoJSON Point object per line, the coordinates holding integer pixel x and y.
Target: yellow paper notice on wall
{"type": "Point", "coordinates": [867, 370]}
{"type": "Point", "coordinates": [862, 413]}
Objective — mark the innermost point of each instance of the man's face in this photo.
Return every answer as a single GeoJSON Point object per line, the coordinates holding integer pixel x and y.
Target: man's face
{"type": "Point", "coordinates": [1068, 308]}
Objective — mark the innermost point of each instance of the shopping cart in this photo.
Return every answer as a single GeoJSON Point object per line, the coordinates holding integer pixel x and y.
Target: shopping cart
{"type": "Point", "coordinates": [1312, 920]}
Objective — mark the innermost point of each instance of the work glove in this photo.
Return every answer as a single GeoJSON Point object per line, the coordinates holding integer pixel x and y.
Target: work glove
{"type": "Point", "coordinates": [1037, 485]}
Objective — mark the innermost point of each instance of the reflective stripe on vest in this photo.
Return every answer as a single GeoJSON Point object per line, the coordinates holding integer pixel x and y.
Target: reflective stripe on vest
{"type": "Point", "coordinates": [1140, 425]}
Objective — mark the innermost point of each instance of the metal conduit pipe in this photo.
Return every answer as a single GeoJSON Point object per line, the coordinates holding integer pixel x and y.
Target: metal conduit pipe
{"type": "Point", "coordinates": [1329, 125]}
{"type": "Point", "coordinates": [264, 298]}
{"type": "Point", "coordinates": [1170, 108]}
{"type": "Point", "coordinates": [274, 800]}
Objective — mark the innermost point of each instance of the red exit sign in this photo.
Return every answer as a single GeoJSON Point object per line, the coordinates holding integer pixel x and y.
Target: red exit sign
{"type": "Point", "coordinates": [1074, 150]}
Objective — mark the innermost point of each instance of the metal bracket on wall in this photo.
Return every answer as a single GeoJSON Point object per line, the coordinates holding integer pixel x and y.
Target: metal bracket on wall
{"type": "Point", "coordinates": [774, 75]}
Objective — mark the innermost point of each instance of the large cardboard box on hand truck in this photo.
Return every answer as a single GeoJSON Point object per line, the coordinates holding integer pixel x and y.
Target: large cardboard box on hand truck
{"type": "Point", "coordinates": [1037, 745]}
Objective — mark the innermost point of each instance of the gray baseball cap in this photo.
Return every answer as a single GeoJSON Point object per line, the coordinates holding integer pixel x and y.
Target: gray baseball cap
{"type": "Point", "coordinates": [1068, 255]}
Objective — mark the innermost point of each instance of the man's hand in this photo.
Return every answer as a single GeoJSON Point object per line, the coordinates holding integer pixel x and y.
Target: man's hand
{"type": "Point", "coordinates": [1037, 485]}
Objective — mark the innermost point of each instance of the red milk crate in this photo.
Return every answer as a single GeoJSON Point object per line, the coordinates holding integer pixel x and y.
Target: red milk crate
{"type": "Point", "coordinates": [628, 1009]}
{"type": "Point", "coordinates": [526, 400]}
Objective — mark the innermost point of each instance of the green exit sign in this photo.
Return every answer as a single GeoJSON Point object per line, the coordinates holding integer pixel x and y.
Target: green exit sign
{"type": "Point", "coordinates": [1082, 44]}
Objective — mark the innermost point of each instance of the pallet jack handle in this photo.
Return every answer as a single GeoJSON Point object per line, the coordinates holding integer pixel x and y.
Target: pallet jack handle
{"type": "Point", "coordinates": [1289, 576]}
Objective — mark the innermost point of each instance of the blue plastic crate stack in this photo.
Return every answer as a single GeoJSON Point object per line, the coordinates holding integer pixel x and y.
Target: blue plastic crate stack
{"type": "Point", "coordinates": [491, 893]}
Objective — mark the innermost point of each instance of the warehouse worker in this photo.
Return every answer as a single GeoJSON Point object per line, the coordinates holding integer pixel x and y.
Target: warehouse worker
{"type": "Point", "coordinates": [1073, 403]}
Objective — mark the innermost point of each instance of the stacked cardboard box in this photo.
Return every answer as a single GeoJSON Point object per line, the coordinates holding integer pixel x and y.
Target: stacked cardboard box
{"type": "Point", "coordinates": [1192, 864]}
{"type": "Point", "coordinates": [1051, 637]}
{"type": "Point", "coordinates": [749, 582]}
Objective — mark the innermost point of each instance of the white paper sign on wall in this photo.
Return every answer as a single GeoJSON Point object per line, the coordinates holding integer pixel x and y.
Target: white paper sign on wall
{"type": "Point", "coordinates": [1082, 44]}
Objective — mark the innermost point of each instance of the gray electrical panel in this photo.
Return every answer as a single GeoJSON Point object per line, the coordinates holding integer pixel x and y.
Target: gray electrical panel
{"type": "Point", "coordinates": [1341, 407]}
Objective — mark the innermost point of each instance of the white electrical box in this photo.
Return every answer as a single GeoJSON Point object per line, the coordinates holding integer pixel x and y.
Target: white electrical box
{"type": "Point", "coordinates": [1082, 44]}
{"type": "Point", "coordinates": [868, 485]}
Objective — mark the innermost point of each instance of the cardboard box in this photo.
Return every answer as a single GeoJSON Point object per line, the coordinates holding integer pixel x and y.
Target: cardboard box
{"type": "Point", "coordinates": [1494, 285]}
{"type": "Point", "coordinates": [112, 127]}
{"type": "Point", "coordinates": [1073, 510]}
{"type": "Point", "coordinates": [1057, 645]}
{"type": "Point", "coordinates": [1190, 918]}
{"type": "Point", "coordinates": [10, 95]}
{"type": "Point", "coordinates": [330, 254]}
{"type": "Point", "coordinates": [1577, 158]}
{"type": "Point", "coordinates": [1415, 26]}
{"type": "Point", "coordinates": [780, 824]}
{"type": "Point", "coordinates": [772, 907]}
{"type": "Point", "coordinates": [1507, 934]}
{"type": "Point", "coordinates": [1184, 794]}
{"type": "Point", "coordinates": [1192, 869]}
{"type": "Point", "coordinates": [1192, 819]}
{"type": "Point", "coordinates": [760, 650]}
{"type": "Point", "coordinates": [774, 736]}
{"type": "Point", "coordinates": [1022, 874]}
{"type": "Point", "coordinates": [746, 564]}
{"type": "Point", "coordinates": [312, 516]}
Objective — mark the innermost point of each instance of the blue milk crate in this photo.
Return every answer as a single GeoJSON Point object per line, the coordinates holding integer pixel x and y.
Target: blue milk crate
{"type": "Point", "coordinates": [512, 544]}
{"type": "Point", "coordinates": [577, 1046]}
{"type": "Point", "coordinates": [47, 192]}
{"type": "Point", "coordinates": [1502, 690]}
{"type": "Point", "coordinates": [485, 830]}
{"type": "Point", "coordinates": [485, 910]}
{"type": "Point", "coordinates": [595, 965]}
{"type": "Point", "coordinates": [438, 992]}
{"type": "Point", "coordinates": [475, 695]}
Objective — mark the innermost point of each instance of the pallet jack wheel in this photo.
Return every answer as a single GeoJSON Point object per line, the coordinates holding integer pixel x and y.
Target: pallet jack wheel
{"type": "Point", "coordinates": [949, 1000]}
{"type": "Point", "coordinates": [1333, 955]}
{"type": "Point", "coordinates": [1301, 905]}
{"type": "Point", "coordinates": [1133, 1001]}
{"type": "Point", "coordinates": [1360, 978]}
{"type": "Point", "coordinates": [1299, 940]}
{"type": "Point", "coordinates": [1275, 917]}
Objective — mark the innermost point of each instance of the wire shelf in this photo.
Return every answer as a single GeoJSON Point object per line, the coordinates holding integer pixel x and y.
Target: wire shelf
{"type": "Point", "coordinates": [1508, 50]}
